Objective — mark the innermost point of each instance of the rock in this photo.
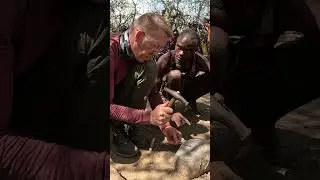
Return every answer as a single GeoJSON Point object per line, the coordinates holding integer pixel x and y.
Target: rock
{"type": "Point", "coordinates": [194, 156]}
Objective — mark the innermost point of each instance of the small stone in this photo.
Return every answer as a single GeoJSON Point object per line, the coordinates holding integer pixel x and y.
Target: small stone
{"type": "Point", "coordinates": [194, 156]}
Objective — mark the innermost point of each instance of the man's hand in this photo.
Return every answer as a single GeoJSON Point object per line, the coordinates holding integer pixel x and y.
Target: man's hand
{"type": "Point", "coordinates": [161, 114]}
{"type": "Point", "coordinates": [172, 134]}
{"type": "Point", "coordinates": [179, 119]}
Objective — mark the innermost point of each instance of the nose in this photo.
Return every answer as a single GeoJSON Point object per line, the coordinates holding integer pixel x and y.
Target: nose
{"type": "Point", "coordinates": [181, 52]}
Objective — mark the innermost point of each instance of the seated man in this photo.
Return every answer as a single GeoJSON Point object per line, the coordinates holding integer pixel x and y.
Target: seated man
{"type": "Point", "coordinates": [132, 82]}
{"type": "Point", "coordinates": [179, 69]}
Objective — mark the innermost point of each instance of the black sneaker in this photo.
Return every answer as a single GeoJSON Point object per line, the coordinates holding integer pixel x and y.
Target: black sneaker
{"type": "Point", "coordinates": [123, 146]}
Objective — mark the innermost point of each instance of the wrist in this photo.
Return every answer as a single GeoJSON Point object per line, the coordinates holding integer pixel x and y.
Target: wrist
{"type": "Point", "coordinates": [146, 117]}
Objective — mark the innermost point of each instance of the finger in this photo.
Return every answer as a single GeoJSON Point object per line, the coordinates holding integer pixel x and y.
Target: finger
{"type": "Point", "coordinates": [178, 119]}
{"type": "Point", "coordinates": [167, 110]}
{"type": "Point", "coordinates": [185, 120]}
{"type": "Point", "coordinates": [169, 137]}
{"type": "Point", "coordinates": [160, 123]}
{"type": "Point", "coordinates": [177, 122]}
{"type": "Point", "coordinates": [179, 137]}
{"type": "Point", "coordinates": [162, 114]}
{"type": "Point", "coordinates": [176, 138]}
{"type": "Point", "coordinates": [170, 140]}
{"type": "Point", "coordinates": [166, 117]}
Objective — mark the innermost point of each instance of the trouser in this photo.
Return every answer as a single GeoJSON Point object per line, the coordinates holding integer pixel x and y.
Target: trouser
{"type": "Point", "coordinates": [134, 90]}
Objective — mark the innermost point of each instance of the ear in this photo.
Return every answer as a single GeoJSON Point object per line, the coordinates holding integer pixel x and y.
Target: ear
{"type": "Point", "coordinates": [207, 26]}
{"type": "Point", "coordinates": [139, 36]}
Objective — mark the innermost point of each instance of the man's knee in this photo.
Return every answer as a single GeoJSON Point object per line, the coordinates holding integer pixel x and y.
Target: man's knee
{"type": "Point", "coordinates": [173, 79]}
{"type": "Point", "coordinates": [174, 75]}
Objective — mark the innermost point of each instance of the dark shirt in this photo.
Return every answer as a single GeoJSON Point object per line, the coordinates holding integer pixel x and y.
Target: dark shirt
{"type": "Point", "coordinates": [23, 157]}
{"type": "Point", "coordinates": [120, 64]}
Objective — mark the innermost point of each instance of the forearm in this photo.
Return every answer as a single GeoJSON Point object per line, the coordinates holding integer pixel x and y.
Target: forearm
{"type": "Point", "coordinates": [156, 97]}
{"type": "Point", "coordinates": [129, 115]}
{"type": "Point", "coordinates": [31, 159]}
{"type": "Point", "coordinates": [159, 84]}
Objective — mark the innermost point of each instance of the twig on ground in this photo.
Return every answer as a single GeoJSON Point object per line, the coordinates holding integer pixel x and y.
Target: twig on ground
{"type": "Point", "coordinates": [152, 144]}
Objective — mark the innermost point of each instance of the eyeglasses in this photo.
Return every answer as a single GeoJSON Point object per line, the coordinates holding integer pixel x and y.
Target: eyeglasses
{"type": "Point", "coordinates": [153, 45]}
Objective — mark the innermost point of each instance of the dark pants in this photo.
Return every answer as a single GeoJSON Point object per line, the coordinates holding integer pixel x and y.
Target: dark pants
{"type": "Point", "coordinates": [132, 94]}
{"type": "Point", "coordinates": [190, 88]}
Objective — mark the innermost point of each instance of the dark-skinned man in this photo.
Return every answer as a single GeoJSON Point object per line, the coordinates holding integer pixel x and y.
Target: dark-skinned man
{"type": "Point", "coordinates": [179, 69]}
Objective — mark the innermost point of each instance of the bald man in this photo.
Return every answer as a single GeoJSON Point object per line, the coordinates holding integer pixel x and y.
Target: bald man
{"type": "Point", "coordinates": [132, 81]}
{"type": "Point", "coordinates": [180, 68]}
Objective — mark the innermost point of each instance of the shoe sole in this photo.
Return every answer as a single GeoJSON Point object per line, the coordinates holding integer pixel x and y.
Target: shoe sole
{"type": "Point", "coordinates": [123, 155]}
{"type": "Point", "coordinates": [126, 155]}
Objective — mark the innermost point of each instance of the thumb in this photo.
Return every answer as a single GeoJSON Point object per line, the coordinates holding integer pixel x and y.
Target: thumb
{"type": "Point", "coordinates": [165, 104]}
{"type": "Point", "coordinates": [184, 119]}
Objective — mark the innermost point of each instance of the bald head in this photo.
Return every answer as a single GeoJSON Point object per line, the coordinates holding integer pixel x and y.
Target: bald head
{"type": "Point", "coordinates": [147, 34]}
{"type": "Point", "coordinates": [150, 22]}
{"type": "Point", "coordinates": [187, 44]}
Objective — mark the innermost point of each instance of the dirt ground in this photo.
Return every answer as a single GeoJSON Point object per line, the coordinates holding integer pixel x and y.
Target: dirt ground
{"type": "Point", "coordinates": [160, 163]}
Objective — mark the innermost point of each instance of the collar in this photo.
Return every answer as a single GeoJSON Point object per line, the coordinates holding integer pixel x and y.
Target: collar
{"type": "Point", "coordinates": [124, 44]}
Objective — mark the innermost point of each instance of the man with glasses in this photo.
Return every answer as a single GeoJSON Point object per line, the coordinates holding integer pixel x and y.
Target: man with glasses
{"type": "Point", "coordinates": [133, 73]}
{"type": "Point", "coordinates": [182, 69]}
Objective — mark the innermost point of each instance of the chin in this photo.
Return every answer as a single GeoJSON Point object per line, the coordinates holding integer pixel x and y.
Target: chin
{"type": "Point", "coordinates": [140, 60]}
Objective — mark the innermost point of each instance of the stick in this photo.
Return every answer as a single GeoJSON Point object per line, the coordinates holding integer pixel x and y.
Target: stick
{"type": "Point", "coordinates": [152, 144]}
